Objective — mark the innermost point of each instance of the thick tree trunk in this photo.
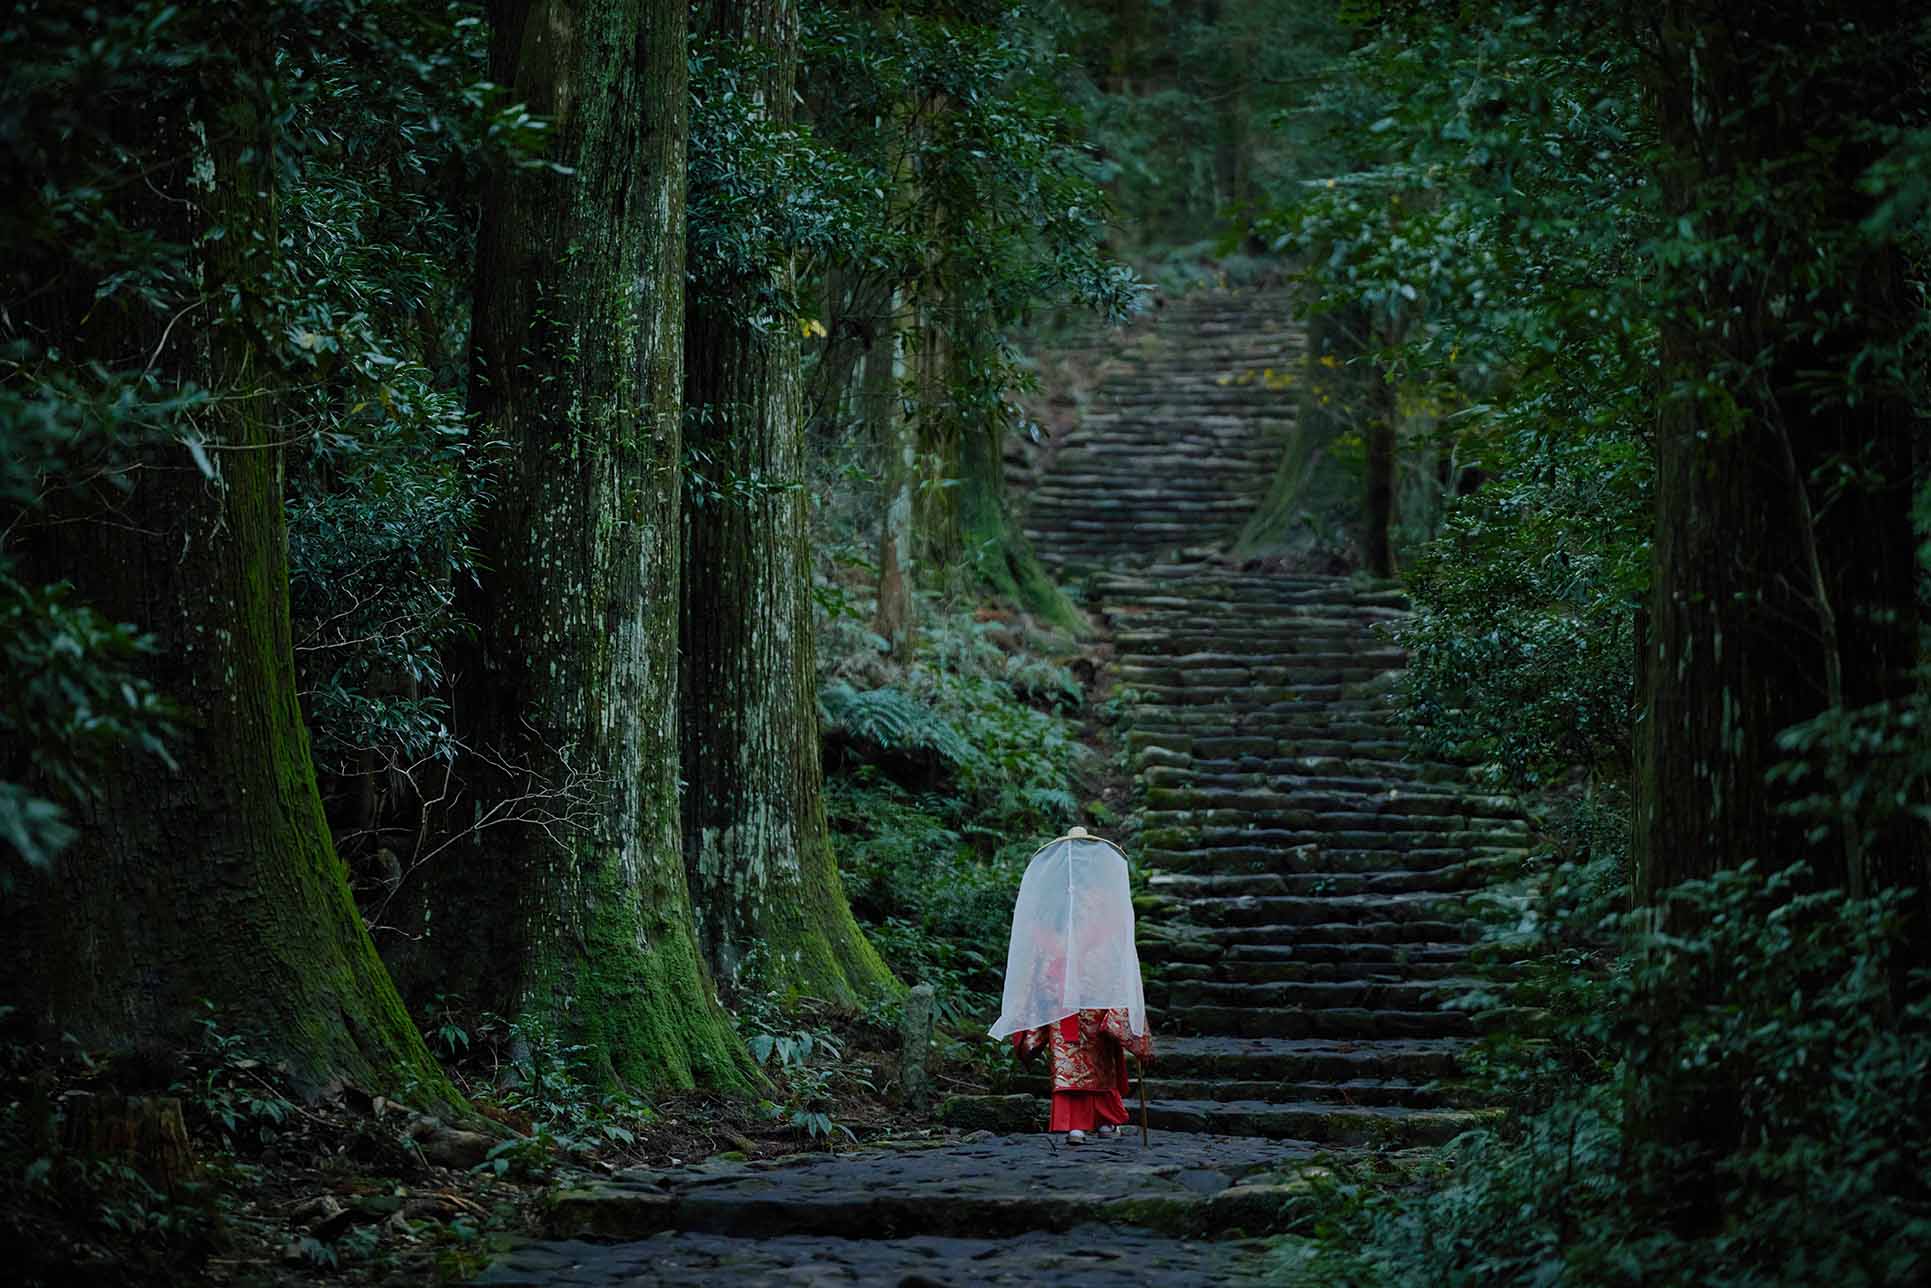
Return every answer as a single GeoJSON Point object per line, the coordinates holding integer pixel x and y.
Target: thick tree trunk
{"type": "Point", "coordinates": [1764, 586]}
{"type": "Point", "coordinates": [1783, 570]}
{"type": "Point", "coordinates": [756, 846]}
{"type": "Point", "coordinates": [898, 454]}
{"type": "Point", "coordinates": [567, 904]}
{"type": "Point", "coordinates": [1379, 522]}
{"type": "Point", "coordinates": [1380, 422]}
{"type": "Point", "coordinates": [213, 878]}
{"type": "Point", "coordinates": [1309, 484]}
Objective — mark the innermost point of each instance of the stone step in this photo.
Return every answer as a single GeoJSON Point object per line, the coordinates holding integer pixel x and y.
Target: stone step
{"type": "Point", "coordinates": [1164, 615]}
{"type": "Point", "coordinates": [1200, 490]}
{"type": "Point", "coordinates": [998, 1186]}
{"type": "Point", "coordinates": [1229, 634]}
{"type": "Point", "coordinates": [1378, 880]}
{"type": "Point", "coordinates": [1344, 934]}
{"type": "Point", "coordinates": [1319, 995]}
{"type": "Point", "coordinates": [1238, 970]}
{"type": "Point", "coordinates": [1327, 1022]}
{"type": "Point", "coordinates": [1379, 751]}
{"type": "Point", "coordinates": [1064, 498]}
{"type": "Point", "coordinates": [1180, 806]}
{"type": "Point", "coordinates": [1281, 711]}
{"type": "Point", "coordinates": [1178, 831]}
{"type": "Point", "coordinates": [1267, 667]}
{"type": "Point", "coordinates": [1287, 910]}
{"type": "Point", "coordinates": [1316, 1122]}
{"type": "Point", "coordinates": [1175, 943]}
{"type": "Point", "coordinates": [1315, 773]}
{"type": "Point", "coordinates": [1295, 696]}
{"type": "Point", "coordinates": [1358, 797]}
{"type": "Point", "coordinates": [1092, 1256]}
{"type": "Point", "coordinates": [1306, 1060]}
{"type": "Point", "coordinates": [1239, 860]}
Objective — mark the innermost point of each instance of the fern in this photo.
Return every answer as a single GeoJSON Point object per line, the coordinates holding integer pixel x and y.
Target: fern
{"type": "Point", "coordinates": [893, 721]}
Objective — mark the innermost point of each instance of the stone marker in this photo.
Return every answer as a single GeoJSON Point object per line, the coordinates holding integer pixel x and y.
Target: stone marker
{"type": "Point", "coordinates": [915, 1045]}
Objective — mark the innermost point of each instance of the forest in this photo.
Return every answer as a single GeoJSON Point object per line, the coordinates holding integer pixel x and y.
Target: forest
{"type": "Point", "coordinates": [557, 562]}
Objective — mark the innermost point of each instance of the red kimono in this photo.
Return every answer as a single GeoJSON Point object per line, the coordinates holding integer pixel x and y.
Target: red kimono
{"type": "Point", "coordinates": [1088, 1064]}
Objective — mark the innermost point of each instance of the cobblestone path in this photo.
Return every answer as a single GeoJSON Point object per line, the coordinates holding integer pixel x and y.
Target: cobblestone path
{"type": "Point", "coordinates": [1305, 902]}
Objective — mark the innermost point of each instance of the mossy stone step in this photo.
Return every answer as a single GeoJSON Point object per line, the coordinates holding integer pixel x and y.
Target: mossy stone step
{"type": "Point", "coordinates": [1375, 994]}
{"type": "Point", "coordinates": [999, 1186]}
{"type": "Point", "coordinates": [1304, 910]}
{"type": "Point", "coordinates": [1243, 945]}
{"type": "Point", "coordinates": [1308, 1059]}
{"type": "Point", "coordinates": [1343, 934]}
{"type": "Point", "coordinates": [1326, 1124]}
{"type": "Point", "coordinates": [1367, 881]}
{"type": "Point", "coordinates": [1235, 970]}
{"type": "Point", "coordinates": [1367, 1091]}
{"type": "Point", "coordinates": [1327, 1022]}
{"type": "Point", "coordinates": [1245, 860]}
{"type": "Point", "coordinates": [1175, 831]}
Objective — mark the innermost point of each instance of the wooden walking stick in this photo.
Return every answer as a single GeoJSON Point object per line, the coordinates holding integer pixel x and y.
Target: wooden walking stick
{"type": "Point", "coordinates": [1143, 1102]}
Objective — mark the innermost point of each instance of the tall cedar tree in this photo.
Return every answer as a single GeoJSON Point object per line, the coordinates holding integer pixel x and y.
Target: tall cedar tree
{"type": "Point", "coordinates": [883, 403]}
{"type": "Point", "coordinates": [213, 879]}
{"type": "Point", "coordinates": [570, 908]}
{"type": "Point", "coordinates": [1784, 571]}
{"type": "Point", "coordinates": [756, 846]}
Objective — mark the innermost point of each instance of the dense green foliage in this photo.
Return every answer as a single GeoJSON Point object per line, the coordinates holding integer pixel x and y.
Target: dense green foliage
{"type": "Point", "coordinates": [1777, 1016]}
{"type": "Point", "coordinates": [1200, 112]}
{"type": "Point", "coordinates": [1504, 230]}
{"type": "Point", "coordinates": [952, 775]}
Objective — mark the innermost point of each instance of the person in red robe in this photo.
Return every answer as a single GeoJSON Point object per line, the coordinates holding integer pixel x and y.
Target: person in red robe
{"type": "Point", "coordinates": [1086, 1055]}
{"type": "Point", "coordinates": [1072, 988]}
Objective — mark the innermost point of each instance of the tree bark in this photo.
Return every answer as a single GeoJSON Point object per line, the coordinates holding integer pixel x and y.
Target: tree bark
{"type": "Point", "coordinates": [566, 903]}
{"type": "Point", "coordinates": [756, 846]}
{"type": "Point", "coordinates": [209, 889]}
{"type": "Point", "coordinates": [1755, 583]}
{"type": "Point", "coordinates": [898, 453]}
{"type": "Point", "coordinates": [1378, 528]}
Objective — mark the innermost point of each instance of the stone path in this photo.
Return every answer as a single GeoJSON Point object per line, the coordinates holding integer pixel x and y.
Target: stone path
{"type": "Point", "coordinates": [1092, 1257]}
{"type": "Point", "coordinates": [1182, 437]}
{"type": "Point", "coordinates": [1305, 907]}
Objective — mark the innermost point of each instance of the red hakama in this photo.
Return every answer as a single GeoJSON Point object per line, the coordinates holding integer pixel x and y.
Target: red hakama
{"type": "Point", "coordinates": [1088, 1063]}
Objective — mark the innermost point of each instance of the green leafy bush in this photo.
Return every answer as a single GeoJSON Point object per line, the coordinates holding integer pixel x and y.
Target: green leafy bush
{"type": "Point", "coordinates": [951, 777]}
{"type": "Point", "coordinates": [1782, 1016]}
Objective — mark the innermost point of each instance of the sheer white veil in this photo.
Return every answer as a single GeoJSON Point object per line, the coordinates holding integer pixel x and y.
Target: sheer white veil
{"type": "Point", "coordinates": [1072, 938]}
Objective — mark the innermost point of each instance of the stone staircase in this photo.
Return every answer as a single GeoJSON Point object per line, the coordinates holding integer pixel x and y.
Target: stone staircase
{"type": "Point", "coordinates": [1307, 879]}
{"type": "Point", "coordinates": [1180, 440]}
{"type": "Point", "coordinates": [1306, 914]}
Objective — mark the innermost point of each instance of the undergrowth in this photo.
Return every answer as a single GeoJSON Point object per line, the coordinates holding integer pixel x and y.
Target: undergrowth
{"type": "Point", "coordinates": [1781, 1017]}
{"type": "Point", "coordinates": [945, 781]}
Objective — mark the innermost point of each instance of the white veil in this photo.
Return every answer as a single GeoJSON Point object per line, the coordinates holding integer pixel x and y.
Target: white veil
{"type": "Point", "coordinates": [1072, 938]}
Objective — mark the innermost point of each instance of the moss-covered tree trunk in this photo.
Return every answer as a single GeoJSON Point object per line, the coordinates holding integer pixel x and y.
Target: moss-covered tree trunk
{"type": "Point", "coordinates": [762, 872]}
{"type": "Point", "coordinates": [1783, 571]}
{"type": "Point", "coordinates": [214, 877]}
{"type": "Point", "coordinates": [567, 905]}
{"type": "Point", "coordinates": [960, 517]}
{"type": "Point", "coordinates": [1310, 486]}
